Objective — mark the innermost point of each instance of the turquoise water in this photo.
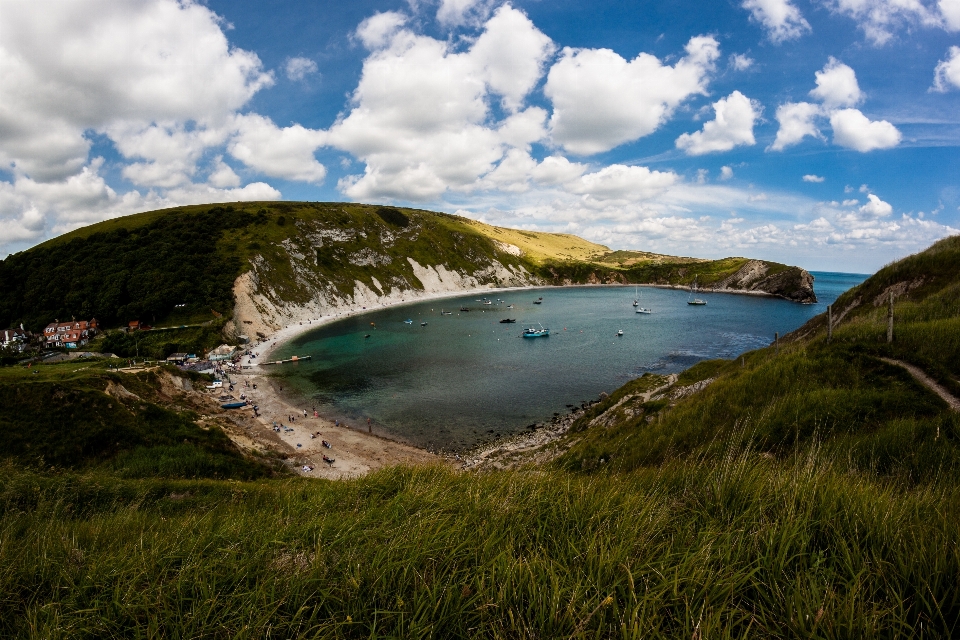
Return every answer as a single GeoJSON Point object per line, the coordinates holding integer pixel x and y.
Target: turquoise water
{"type": "Point", "coordinates": [465, 377]}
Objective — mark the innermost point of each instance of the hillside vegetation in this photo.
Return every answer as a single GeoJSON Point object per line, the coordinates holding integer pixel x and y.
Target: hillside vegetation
{"type": "Point", "coordinates": [805, 491]}
{"type": "Point", "coordinates": [85, 415]}
{"type": "Point", "coordinates": [183, 266]}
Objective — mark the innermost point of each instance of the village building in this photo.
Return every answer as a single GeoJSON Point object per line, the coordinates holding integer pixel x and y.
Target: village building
{"type": "Point", "coordinates": [70, 335]}
{"type": "Point", "coordinates": [15, 339]}
{"type": "Point", "coordinates": [223, 352]}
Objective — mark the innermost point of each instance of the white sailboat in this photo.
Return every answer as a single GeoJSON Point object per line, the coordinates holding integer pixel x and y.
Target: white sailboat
{"type": "Point", "coordinates": [699, 302]}
{"type": "Point", "coordinates": [636, 296]}
{"type": "Point", "coordinates": [639, 308]}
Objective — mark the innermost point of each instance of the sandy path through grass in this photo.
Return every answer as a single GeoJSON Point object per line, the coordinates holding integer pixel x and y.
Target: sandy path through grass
{"type": "Point", "coordinates": [928, 382]}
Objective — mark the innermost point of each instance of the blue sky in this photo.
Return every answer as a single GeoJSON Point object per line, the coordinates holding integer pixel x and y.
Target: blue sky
{"type": "Point", "coordinates": [823, 134]}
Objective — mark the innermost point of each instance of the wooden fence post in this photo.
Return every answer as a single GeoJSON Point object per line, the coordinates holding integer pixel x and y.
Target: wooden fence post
{"type": "Point", "coordinates": [829, 323]}
{"type": "Point", "coordinates": [890, 320]}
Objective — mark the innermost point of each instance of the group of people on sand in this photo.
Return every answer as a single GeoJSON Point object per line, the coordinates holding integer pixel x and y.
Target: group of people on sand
{"type": "Point", "coordinates": [279, 427]}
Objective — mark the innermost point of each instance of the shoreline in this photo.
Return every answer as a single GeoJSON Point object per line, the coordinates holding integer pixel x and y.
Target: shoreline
{"type": "Point", "coordinates": [289, 332]}
{"type": "Point", "coordinates": [300, 441]}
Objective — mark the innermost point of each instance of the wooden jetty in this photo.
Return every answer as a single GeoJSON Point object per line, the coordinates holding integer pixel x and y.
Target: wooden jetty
{"type": "Point", "coordinates": [291, 359]}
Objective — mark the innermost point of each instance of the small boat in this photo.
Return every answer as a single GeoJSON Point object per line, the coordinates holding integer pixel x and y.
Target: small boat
{"type": "Point", "coordinates": [636, 297]}
{"type": "Point", "coordinates": [507, 321]}
{"type": "Point", "coordinates": [446, 313]}
{"type": "Point", "coordinates": [233, 405]}
{"type": "Point", "coordinates": [366, 336]}
{"type": "Point", "coordinates": [698, 302]}
{"type": "Point", "coordinates": [464, 309]}
{"type": "Point", "coordinates": [487, 302]}
{"type": "Point", "coordinates": [537, 302]}
{"type": "Point", "coordinates": [423, 324]}
{"type": "Point", "coordinates": [533, 332]}
{"type": "Point", "coordinates": [620, 333]}
{"type": "Point", "coordinates": [408, 321]}
{"type": "Point", "coordinates": [640, 309]}
{"type": "Point", "coordinates": [509, 306]}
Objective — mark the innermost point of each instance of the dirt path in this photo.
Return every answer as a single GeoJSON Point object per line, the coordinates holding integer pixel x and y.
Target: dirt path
{"type": "Point", "coordinates": [928, 382]}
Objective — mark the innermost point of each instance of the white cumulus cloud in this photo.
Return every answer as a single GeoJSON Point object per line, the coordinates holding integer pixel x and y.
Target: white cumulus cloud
{"type": "Point", "coordinates": [853, 130]}
{"type": "Point", "coordinates": [420, 119]}
{"type": "Point", "coordinates": [741, 62]}
{"type": "Point", "coordinates": [879, 19]}
{"type": "Point", "coordinates": [837, 85]}
{"type": "Point", "coordinates": [279, 152]}
{"type": "Point", "coordinates": [726, 173]}
{"type": "Point", "coordinates": [875, 207]}
{"type": "Point", "coordinates": [452, 13]}
{"type": "Point", "coordinates": [796, 122]}
{"type": "Point", "coordinates": [511, 53]}
{"type": "Point", "coordinates": [299, 68]}
{"type": "Point", "coordinates": [89, 65]}
{"type": "Point", "coordinates": [780, 18]}
{"type": "Point", "coordinates": [810, 177]}
{"type": "Point", "coordinates": [731, 127]}
{"type": "Point", "coordinates": [222, 175]}
{"type": "Point", "coordinates": [947, 74]}
{"type": "Point", "coordinates": [950, 11]}
{"type": "Point", "coordinates": [618, 182]}
{"type": "Point", "coordinates": [378, 30]}
{"type": "Point", "coordinates": [600, 100]}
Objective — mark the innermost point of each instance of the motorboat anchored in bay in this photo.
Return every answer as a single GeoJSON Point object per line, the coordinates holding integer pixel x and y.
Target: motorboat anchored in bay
{"type": "Point", "coordinates": [534, 332]}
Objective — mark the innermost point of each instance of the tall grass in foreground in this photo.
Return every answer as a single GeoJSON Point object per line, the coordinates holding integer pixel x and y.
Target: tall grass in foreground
{"type": "Point", "coordinates": [737, 546]}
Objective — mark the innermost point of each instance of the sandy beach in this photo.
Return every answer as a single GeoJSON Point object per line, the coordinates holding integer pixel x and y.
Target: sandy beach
{"type": "Point", "coordinates": [354, 451]}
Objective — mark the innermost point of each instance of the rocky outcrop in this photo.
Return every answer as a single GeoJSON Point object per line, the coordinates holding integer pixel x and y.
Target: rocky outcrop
{"type": "Point", "coordinates": [792, 283]}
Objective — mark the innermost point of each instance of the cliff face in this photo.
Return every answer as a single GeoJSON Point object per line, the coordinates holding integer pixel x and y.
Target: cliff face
{"type": "Point", "coordinates": [792, 283]}
{"type": "Point", "coordinates": [353, 260]}
{"type": "Point", "coordinates": [260, 310]}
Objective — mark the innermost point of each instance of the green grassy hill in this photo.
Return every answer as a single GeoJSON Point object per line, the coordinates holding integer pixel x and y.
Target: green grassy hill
{"type": "Point", "coordinates": [84, 415]}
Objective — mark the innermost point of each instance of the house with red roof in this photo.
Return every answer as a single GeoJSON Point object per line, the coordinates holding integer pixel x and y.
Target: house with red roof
{"type": "Point", "coordinates": [71, 335]}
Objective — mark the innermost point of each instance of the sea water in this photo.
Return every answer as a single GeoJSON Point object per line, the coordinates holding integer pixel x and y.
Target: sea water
{"type": "Point", "coordinates": [466, 377]}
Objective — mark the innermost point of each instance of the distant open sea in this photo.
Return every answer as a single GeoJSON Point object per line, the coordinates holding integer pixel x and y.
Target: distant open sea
{"type": "Point", "coordinates": [465, 377]}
